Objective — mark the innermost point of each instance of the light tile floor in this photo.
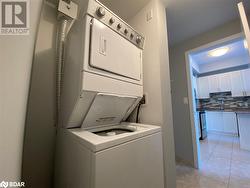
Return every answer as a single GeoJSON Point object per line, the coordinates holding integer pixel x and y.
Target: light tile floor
{"type": "Point", "coordinates": [223, 165]}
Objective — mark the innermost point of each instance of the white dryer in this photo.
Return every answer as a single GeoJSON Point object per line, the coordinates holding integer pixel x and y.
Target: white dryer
{"type": "Point", "coordinates": [102, 85]}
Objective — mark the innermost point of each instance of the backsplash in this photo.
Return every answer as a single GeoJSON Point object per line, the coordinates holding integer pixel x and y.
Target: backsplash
{"type": "Point", "coordinates": [224, 101]}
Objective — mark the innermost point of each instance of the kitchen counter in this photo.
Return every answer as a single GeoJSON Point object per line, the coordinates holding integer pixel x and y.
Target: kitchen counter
{"type": "Point", "coordinates": [216, 118]}
{"type": "Point", "coordinates": [236, 110]}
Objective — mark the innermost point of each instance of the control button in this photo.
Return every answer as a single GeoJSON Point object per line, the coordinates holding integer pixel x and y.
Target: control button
{"type": "Point", "coordinates": [119, 26]}
{"type": "Point", "coordinates": [138, 39]}
{"type": "Point", "coordinates": [125, 31]}
{"type": "Point", "coordinates": [100, 12]}
{"type": "Point", "coordinates": [112, 20]}
{"type": "Point", "coordinates": [131, 36]}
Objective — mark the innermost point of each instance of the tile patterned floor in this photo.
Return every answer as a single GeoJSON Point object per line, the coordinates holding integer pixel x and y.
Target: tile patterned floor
{"type": "Point", "coordinates": [223, 165]}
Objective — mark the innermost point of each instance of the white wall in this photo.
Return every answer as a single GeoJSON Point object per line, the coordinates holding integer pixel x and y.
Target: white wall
{"type": "Point", "coordinates": [156, 75]}
{"type": "Point", "coordinates": [181, 111]}
{"type": "Point", "coordinates": [16, 54]}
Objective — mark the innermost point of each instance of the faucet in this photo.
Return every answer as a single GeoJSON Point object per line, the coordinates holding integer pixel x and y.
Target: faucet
{"type": "Point", "coordinates": [222, 105]}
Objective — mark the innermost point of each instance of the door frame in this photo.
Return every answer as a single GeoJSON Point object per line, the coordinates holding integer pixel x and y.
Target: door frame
{"type": "Point", "coordinates": [244, 23]}
{"type": "Point", "coordinates": [191, 99]}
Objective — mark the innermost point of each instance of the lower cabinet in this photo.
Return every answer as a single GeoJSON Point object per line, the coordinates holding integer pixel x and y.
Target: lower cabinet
{"type": "Point", "coordinates": [214, 121]}
{"type": "Point", "coordinates": [224, 122]}
{"type": "Point", "coordinates": [230, 122]}
{"type": "Point", "coordinates": [244, 127]}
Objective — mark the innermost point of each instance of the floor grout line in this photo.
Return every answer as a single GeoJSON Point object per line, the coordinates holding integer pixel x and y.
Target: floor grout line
{"type": "Point", "coordinates": [230, 166]}
{"type": "Point", "coordinates": [213, 145]}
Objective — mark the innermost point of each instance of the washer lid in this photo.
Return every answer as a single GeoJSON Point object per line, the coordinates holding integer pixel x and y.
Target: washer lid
{"type": "Point", "coordinates": [107, 109]}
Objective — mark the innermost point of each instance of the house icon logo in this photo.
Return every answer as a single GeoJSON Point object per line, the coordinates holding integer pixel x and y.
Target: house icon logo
{"type": "Point", "coordinates": [4, 184]}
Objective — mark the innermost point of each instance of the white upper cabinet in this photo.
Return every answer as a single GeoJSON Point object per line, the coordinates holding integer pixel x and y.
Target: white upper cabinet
{"type": "Point", "coordinates": [245, 24]}
{"type": "Point", "coordinates": [214, 84]}
{"type": "Point", "coordinates": [237, 84]}
{"type": "Point", "coordinates": [203, 87]}
{"type": "Point", "coordinates": [225, 82]}
{"type": "Point", "coordinates": [219, 83]}
{"type": "Point", "coordinates": [246, 81]}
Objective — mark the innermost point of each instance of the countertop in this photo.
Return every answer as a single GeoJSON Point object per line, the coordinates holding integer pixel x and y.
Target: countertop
{"type": "Point", "coordinates": [236, 110]}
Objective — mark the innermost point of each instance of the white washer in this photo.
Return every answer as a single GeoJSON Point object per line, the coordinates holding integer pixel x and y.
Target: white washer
{"type": "Point", "coordinates": [127, 160]}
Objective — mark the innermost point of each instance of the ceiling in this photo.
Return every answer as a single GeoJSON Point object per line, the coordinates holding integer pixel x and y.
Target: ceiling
{"type": "Point", "coordinates": [236, 49]}
{"type": "Point", "coordinates": [125, 9]}
{"type": "Point", "coordinates": [188, 18]}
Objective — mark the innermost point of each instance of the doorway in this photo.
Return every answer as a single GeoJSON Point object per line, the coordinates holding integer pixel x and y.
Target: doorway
{"type": "Point", "coordinates": [219, 98]}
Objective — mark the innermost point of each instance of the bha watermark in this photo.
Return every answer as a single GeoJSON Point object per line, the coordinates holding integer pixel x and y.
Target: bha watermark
{"type": "Point", "coordinates": [14, 17]}
{"type": "Point", "coordinates": [5, 184]}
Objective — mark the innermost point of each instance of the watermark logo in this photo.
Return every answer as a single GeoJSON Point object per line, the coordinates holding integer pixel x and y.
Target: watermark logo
{"type": "Point", "coordinates": [14, 17]}
{"type": "Point", "coordinates": [5, 184]}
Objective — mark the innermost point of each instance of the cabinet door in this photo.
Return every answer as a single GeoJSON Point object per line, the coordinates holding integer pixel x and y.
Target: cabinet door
{"type": "Point", "coordinates": [237, 84]}
{"type": "Point", "coordinates": [244, 128]}
{"type": "Point", "coordinates": [224, 122]}
{"type": "Point", "coordinates": [209, 121]}
{"type": "Point", "coordinates": [215, 121]}
{"type": "Point", "coordinates": [203, 88]}
{"type": "Point", "coordinates": [225, 82]}
{"type": "Point", "coordinates": [245, 24]}
{"type": "Point", "coordinates": [230, 122]}
{"type": "Point", "coordinates": [246, 81]}
{"type": "Point", "coordinates": [214, 85]}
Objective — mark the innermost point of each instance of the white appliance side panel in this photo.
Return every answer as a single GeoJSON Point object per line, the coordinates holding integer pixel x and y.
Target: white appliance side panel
{"type": "Point", "coordinates": [98, 83]}
{"type": "Point", "coordinates": [135, 164]}
{"type": "Point", "coordinates": [73, 162]}
{"type": "Point", "coordinates": [113, 53]}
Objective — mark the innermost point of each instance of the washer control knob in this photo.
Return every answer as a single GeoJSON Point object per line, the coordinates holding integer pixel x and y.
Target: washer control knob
{"type": "Point", "coordinates": [131, 36]}
{"type": "Point", "coordinates": [119, 26]}
{"type": "Point", "coordinates": [125, 31]}
{"type": "Point", "coordinates": [138, 39]}
{"type": "Point", "coordinates": [111, 20]}
{"type": "Point", "coordinates": [100, 12]}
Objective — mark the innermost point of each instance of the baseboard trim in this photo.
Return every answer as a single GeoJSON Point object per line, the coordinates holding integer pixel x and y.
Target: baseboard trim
{"type": "Point", "coordinates": [222, 133]}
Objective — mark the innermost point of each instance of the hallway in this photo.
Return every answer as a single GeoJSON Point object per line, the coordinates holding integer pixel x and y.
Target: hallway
{"type": "Point", "coordinates": [223, 165]}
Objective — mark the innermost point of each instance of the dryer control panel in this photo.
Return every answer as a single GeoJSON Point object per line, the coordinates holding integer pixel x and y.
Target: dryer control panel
{"type": "Point", "coordinates": [107, 17]}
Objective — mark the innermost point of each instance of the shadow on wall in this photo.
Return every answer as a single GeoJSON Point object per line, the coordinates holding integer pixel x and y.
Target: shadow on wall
{"type": "Point", "coordinates": [39, 140]}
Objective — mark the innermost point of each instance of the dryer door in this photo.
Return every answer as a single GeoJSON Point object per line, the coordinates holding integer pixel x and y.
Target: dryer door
{"type": "Point", "coordinates": [110, 52]}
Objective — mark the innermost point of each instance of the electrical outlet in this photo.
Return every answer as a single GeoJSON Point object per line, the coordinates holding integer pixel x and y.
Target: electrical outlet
{"type": "Point", "coordinates": [143, 99]}
{"type": "Point", "coordinates": [68, 8]}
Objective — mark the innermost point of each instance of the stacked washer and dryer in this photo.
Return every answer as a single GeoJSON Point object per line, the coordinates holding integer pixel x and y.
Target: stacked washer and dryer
{"type": "Point", "coordinates": [102, 85]}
